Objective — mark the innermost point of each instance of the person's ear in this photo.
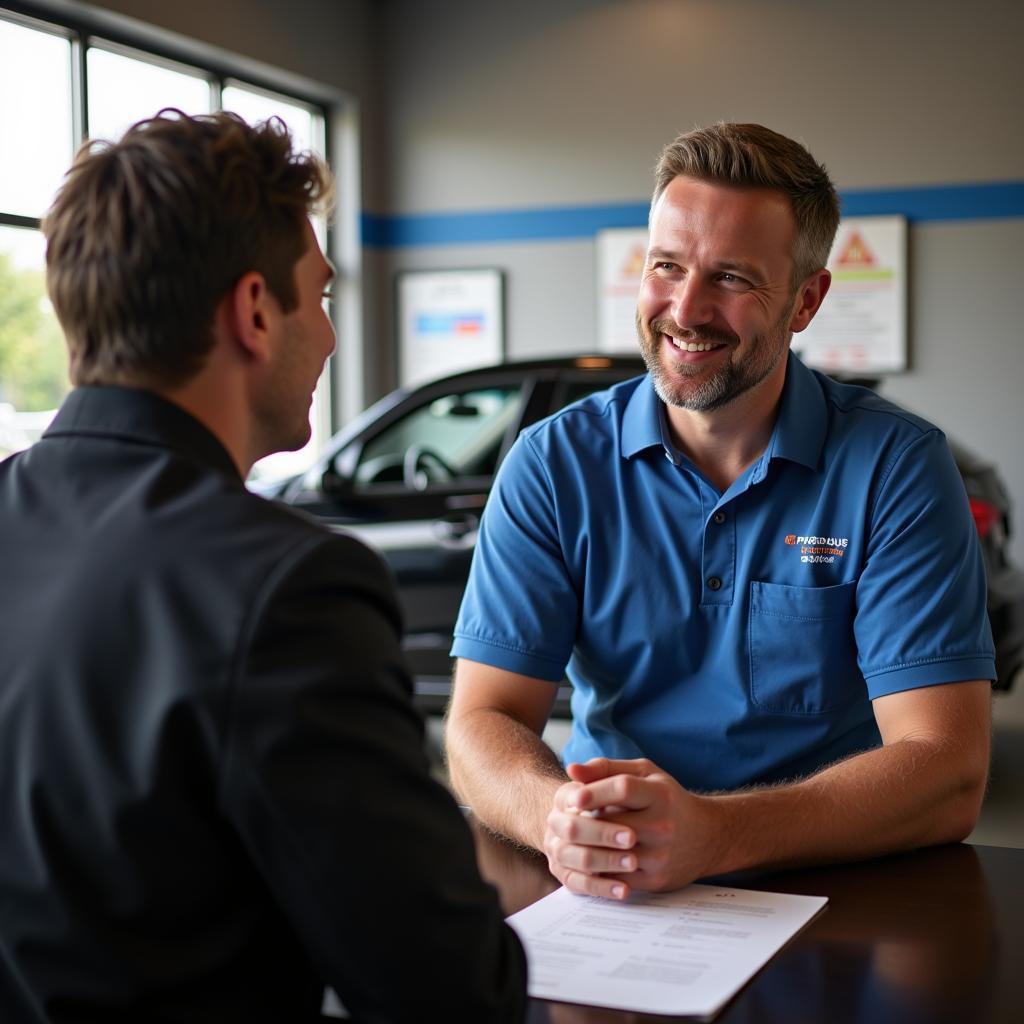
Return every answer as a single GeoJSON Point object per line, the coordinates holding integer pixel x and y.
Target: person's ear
{"type": "Point", "coordinates": [252, 309]}
{"type": "Point", "coordinates": [810, 296]}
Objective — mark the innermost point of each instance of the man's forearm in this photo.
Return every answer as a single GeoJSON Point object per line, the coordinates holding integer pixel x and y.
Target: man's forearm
{"type": "Point", "coordinates": [504, 771]}
{"type": "Point", "coordinates": [908, 794]}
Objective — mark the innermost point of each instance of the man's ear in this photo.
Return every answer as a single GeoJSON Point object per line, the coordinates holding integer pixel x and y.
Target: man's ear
{"type": "Point", "coordinates": [810, 296]}
{"type": "Point", "coordinates": [250, 310]}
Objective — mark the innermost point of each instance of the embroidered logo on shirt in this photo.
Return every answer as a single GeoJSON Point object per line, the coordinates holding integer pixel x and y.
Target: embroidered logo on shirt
{"type": "Point", "coordinates": [818, 550]}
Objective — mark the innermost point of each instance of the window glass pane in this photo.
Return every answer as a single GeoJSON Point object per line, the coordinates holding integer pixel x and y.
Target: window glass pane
{"type": "Point", "coordinates": [459, 435]}
{"type": "Point", "coordinates": [33, 361]}
{"type": "Point", "coordinates": [305, 125]}
{"type": "Point", "coordinates": [123, 90]}
{"type": "Point", "coordinates": [35, 93]}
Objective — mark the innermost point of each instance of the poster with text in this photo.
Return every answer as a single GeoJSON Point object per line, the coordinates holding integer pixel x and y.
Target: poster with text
{"type": "Point", "coordinates": [861, 327]}
{"type": "Point", "coordinates": [448, 320]}
{"type": "Point", "coordinates": [620, 262]}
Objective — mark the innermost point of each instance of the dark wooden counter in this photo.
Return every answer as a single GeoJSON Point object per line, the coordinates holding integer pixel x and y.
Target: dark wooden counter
{"type": "Point", "coordinates": [931, 936]}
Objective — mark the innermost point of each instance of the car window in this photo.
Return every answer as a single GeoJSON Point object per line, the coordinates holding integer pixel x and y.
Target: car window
{"type": "Point", "coordinates": [577, 389]}
{"type": "Point", "coordinates": [454, 436]}
{"type": "Point", "coordinates": [572, 389]}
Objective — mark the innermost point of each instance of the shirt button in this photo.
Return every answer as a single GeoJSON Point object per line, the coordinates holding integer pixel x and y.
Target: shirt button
{"type": "Point", "coordinates": [714, 583]}
{"type": "Point", "coordinates": [719, 517]}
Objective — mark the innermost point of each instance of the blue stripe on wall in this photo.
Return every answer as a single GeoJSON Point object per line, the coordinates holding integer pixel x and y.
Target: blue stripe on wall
{"type": "Point", "coordinates": [500, 225]}
{"type": "Point", "coordinates": [948, 202]}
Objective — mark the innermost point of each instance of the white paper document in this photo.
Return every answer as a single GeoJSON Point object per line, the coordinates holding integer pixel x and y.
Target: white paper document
{"type": "Point", "coordinates": [684, 953]}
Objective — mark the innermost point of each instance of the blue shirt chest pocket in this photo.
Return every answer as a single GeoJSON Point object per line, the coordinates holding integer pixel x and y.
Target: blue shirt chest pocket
{"type": "Point", "coordinates": [803, 657]}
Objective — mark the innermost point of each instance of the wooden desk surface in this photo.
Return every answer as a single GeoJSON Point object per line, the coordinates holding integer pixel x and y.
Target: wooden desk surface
{"type": "Point", "coordinates": [931, 936]}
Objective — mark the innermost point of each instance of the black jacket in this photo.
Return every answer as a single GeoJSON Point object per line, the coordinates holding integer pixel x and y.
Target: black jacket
{"type": "Point", "coordinates": [214, 798]}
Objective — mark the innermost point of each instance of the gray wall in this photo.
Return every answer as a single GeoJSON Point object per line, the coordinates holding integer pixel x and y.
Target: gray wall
{"type": "Point", "coordinates": [541, 102]}
{"type": "Point", "coordinates": [532, 104]}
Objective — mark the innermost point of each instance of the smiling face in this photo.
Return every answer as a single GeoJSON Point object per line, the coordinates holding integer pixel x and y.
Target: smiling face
{"type": "Point", "coordinates": [717, 303]}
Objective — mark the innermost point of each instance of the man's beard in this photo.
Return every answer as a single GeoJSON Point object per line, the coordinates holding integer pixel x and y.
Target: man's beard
{"type": "Point", "coordinates": [680, 384]}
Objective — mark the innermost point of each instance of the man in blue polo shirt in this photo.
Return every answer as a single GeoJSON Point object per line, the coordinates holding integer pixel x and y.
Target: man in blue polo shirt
{"type": "Point", "coordinates": [764, 586]}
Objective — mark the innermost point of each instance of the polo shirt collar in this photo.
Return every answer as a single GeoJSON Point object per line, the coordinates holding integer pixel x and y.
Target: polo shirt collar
{"type": "Point", "coordinates": [142, 416]}
{"type": "Point", "coordinates": [642, 420]}
{"type": "Point", "coordinates": [799, 432]}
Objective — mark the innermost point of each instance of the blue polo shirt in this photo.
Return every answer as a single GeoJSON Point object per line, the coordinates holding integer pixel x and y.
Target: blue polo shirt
{"type": "Point", "coordinates": [733, 637]}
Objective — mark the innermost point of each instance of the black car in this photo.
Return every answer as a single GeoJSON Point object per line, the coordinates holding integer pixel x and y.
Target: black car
{"type": "Point", "coordinates": [411, 475]}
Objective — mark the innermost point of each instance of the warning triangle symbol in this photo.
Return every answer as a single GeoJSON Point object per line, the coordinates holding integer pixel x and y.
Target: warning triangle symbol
{"type": "Point", "coordinates": [855, 252]}
{"type": "Point", "coordinates": [633, 264]}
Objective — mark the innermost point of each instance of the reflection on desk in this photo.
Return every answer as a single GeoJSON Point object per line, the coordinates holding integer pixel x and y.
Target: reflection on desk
{"type": "Point", "coordinates": [935, 935]}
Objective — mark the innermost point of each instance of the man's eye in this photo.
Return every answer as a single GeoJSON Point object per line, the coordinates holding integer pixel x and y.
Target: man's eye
{"type": "Point", "coordinates": [733, 280]}
{"type": "Point", "coordinates": [664, 265]}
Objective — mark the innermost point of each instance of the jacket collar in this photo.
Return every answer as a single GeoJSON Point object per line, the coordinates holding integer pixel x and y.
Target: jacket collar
{"type": "Point", "coordinates": [134, 414]}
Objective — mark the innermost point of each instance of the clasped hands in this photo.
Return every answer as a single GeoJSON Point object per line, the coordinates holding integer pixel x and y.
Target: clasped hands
{"type": "Point", "coordinates": [621, 825]}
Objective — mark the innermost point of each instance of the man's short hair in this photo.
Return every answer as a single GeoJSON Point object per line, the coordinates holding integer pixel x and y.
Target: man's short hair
{"type": "Point", "coordinates": [148, 234]}
{"type": "Point", "coordinates": [752, 156]}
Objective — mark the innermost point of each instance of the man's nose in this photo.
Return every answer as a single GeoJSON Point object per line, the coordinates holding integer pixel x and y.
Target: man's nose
{"type": "Point", "coordinates": [692, 304]}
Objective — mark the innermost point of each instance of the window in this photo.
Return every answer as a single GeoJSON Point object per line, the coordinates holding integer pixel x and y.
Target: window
{"type": "Point", "coordinates": [35, 91]}
{"type": "Point", "coordinates": [454, 437]}
{"type": "Point", "coordinates": [125, 86]}
{"type": "Point", "coordinates": [47, 72]}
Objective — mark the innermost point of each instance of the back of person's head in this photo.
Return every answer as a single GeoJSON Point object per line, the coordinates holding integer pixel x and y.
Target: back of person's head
{"type": "Point", "coordinates": [752, 156]}
{"type": "Point", "coordinates": [149, 233]}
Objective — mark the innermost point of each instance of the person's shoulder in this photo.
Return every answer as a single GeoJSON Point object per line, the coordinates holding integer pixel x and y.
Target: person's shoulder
{"type": "Point", "coordinates": [862, 409]}
{"type": "Point", "coordinates": [280, 526]}
{"type": "Point", "coordinates": [224, 536]}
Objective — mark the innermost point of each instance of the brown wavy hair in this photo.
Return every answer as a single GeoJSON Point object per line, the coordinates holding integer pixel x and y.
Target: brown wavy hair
{"type": "Point", "coordinates": [147, 234]}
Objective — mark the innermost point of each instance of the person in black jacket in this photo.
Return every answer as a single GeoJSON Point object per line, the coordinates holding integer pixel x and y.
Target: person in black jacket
{"type": "Point", "coordinates": [214, 797]}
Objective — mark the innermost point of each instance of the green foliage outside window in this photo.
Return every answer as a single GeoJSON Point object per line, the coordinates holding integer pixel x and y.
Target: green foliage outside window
{"type": "Point", "coordinates": [33, 360]}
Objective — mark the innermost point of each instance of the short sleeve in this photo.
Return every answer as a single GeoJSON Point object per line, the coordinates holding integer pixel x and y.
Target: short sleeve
{"type": "Point", "coordinates": [921, 599]}
{"type": "Point", "coordinates": [521, 605]}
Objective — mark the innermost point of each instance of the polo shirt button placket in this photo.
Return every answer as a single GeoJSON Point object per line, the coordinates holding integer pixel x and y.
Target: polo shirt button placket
{"type": "Point", "coordinates": [719, 550]}
{"type": "Point", "coordinates": [714, 583]}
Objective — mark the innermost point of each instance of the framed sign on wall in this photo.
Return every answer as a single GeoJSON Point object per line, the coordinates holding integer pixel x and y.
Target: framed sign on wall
{"type": "Point", "coordinates": [862, 324]}
{"type": "Point", "coordinates": [448, 320]}
{"type": "Point", "coordinates": [621, 253]}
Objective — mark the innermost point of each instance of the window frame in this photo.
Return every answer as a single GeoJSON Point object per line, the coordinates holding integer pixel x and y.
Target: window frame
{"type": "Point", "coordinates": [84, 29]}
